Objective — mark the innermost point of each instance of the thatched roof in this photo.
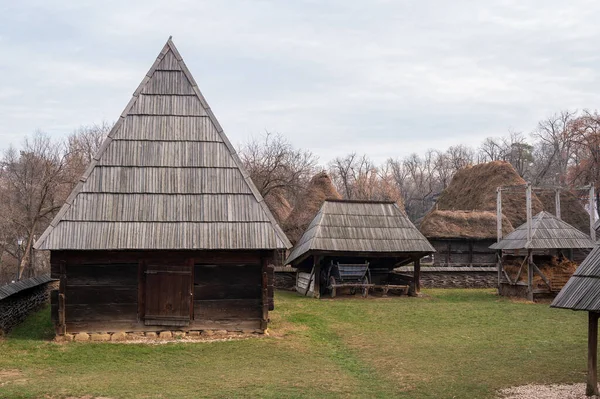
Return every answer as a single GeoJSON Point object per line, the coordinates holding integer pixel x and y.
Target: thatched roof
{"type": "Point", "coordinates": [474, 188]}
{"type": "Point", "coordinates": [571, 209]}
{"type": "Point", "coordinates": [548, 232]}
{"type": "Point", "coordinates": [360, 226]}
{"type": "Point", "coordinates": [166, 177]}
{"type": "Point", "coordinates": [582, 291]}
{"type": "Point", "coordinates": [319, 189]}
{"type": "Point", "coordinates": [479, 225]}
{"type": "Point", "coordinates": [279, 206]}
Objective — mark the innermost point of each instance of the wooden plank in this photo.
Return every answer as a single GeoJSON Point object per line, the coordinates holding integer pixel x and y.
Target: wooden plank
{"type": "Point", "coordinates": [271, 286]}
{"type": "Point", "coordinates": [227, 291]}
{"type": "Point", "coordinates": [529, 216]}
{"type": "Point", "coordinates": [141, 290]}
{"type": "Point", "coordinates": [227, 309]}
{"type": "Point", "coordinates": [592, 370]}
{"type": "Point", "coordinates": [227, 274]}
{"type": "Point", "coordinates": [317, 276]}
{"type": "Point", "coordinates": [417, 275]}
{"type": "Point", "coordinates": [129, 326]}
{"type": "Point", "coordinates": [61, 298]}
{"type": "Point", "coordinates": [102, 312]}
{"type": "Point", "coordinates": [168, 292]}
{"type": "Point", "coordinates": [124, 274]}
{"type": "Point", "coordinates": [81, 295]}
{"type": "Point", "coordinates": [592, 212]}
{"type": "Point", "coordinates": [265, 294]}
{"type": "Point", "coordinates": [498, 214]}
{"type": "Point", "coordinates": [557, 203]}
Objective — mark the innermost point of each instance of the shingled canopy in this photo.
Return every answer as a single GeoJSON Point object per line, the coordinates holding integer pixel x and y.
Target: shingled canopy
{"type": "Point", "coordinates": [547, 236]}
{"type": "Point", "coordinates": [359, 231]}
{"type": "Point", "coordinates": [166, 210]}
{"type": "Point", "coordinates": [582, 292]}
{"type": "Point", "coordinates": [547, 232]}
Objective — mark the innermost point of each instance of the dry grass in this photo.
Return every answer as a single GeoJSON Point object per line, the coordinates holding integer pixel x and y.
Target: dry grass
{"type": "Point", "coordinates": [557, 271]}
{"type": "Point", "coordinates": [571, 209]}
{"type": "Point", "coordinates": [465, 224]}
{"type": "Point", "coordinates": [319, 189]}
{"type": "Point", "coordinates": [474, 188]}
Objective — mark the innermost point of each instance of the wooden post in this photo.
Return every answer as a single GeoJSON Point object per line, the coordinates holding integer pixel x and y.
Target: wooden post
{"type": "Point", "coordinates": [592, 213]}
{"type": "Point", "coordinates": [592, 375]}
{"type": "Point", "coordinates": [317, 271]}
{"type": "Point", "coordinates": [529, 217]}
{"type": "Point", "coordinates": [529, 276]}
{"type": "Point", "coordinates": [500, 267]}
{"type": "Point", "coordinates": [417, 275]}
{"type": "Point", "coordinates": [62, 286]}
{"type": "Point", "coordinates": [499, 214]}
{"type": "Point", "coordinates": [557, 203]}
{"type": "Point", "coordinates": [265, 294]}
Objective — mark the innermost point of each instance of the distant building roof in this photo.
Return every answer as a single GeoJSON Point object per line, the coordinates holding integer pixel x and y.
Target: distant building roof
{"type": "Point", "coordinates": [360, 226]}
{"type": "Point", "coordinates": [166, 177]}
{"type": "Point", "coordinates": [548, 232]}
{"type": "Point", "coordinates": [582, 291]}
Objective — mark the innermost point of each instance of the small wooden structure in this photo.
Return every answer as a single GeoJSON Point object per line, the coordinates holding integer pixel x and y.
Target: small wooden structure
{"type": "Point", "coordinates": [546, 236]}
{"type": "Point", "coordinates": [165, 229]}
{"type": "Point", "coordinates": [355, 232]}
{"type": "Point", "coordinates": [541, 236]}
{"type": "Point", "coordinates": [463, 238]}
{"type": "Point", "coordinates": [582, 292]}
{"type": "Point", "coordinates": [340, 275]}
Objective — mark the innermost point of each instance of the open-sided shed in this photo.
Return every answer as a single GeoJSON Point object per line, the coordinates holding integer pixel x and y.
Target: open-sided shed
{"type": "Point", "coordinates": [582, 292]}
{"type": "Point", "coordinates": [540, 240]}
{"type": "Point", "coordinates": [165, 228]}
{"type": "Point", "coordinates": [356, 233]}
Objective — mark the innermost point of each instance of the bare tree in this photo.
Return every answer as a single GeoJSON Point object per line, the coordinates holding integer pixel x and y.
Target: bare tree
{"type": "Point", "coordinates": [276, 167]}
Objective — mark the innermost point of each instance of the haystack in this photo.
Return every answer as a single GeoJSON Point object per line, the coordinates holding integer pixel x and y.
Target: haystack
{"type": "Point", "coordinates": [474, 188]}
{"type": "Point", "coordinates": [279, 206]}
{"type": "Point", "coordinates": [318, 190]}
{"type": "Point", "coordinates": [479, 225]}
{"type": "Point", "coordinates": [571, 209]}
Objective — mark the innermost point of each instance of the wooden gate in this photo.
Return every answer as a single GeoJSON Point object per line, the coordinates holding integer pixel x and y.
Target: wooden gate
{"type": "Point", "coordinates": [169, 294]}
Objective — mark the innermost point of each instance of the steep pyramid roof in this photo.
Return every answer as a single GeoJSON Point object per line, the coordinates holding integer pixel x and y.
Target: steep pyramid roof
{"type": "Point", "coordinates": [547, 232]}
{"type": "Point", "coordinates": [360, 226]}
{"type": "Point", "coordinates": [166, 177]}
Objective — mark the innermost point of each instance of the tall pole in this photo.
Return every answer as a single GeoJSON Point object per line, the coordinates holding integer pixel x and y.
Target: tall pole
{"type": "Point", "coordinates": [529, 217]}
{"type": "Point", "coordinates": [499, 214]}
{"type": "Point", "coordinates": [592, 375]}
{"type": "Point", "coordinates": [592, 213]}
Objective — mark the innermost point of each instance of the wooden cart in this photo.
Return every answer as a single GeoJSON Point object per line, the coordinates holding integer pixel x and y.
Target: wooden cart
{"type": "Point", "coordinates": [355, 276]}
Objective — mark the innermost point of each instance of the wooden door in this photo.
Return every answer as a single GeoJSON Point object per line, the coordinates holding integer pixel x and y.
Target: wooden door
{"type": "Point", "coordinates": [168, 295]}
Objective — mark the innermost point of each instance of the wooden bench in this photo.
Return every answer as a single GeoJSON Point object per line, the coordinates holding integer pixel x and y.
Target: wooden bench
{"type": "Point", "coordinates": [385, 288]}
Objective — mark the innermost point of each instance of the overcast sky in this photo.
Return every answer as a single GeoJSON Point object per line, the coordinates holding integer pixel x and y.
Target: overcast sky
{"type": "Point", "coordinates": [385, 78]}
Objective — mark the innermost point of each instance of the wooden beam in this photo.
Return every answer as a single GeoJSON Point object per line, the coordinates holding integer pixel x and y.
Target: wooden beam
{"type": "Point", "coordinates": [62, 321]}
{"type": "Point", "coordinates": [529, 216]}
{"type": "Point", "coordinates": [500, 266]}
{"type": "Point", "coordinates": [417, 275]}
{"type": "Point", "coordinates": [317, 277]}
{"type": "Point", "coordinates": [529, 276]}
{"type": "Point", "coordinates": [498, 214]}
{"type": "Point", "coordinates": [592, 374]}
{"type": "Point", "coordinates": [265, 293]}
{"type": "Point", "coordinates": [592, 213]}
{"type": "Point", "coordinates": [310, 279]}
{"type": "Point", "coordinates": [557, 203]}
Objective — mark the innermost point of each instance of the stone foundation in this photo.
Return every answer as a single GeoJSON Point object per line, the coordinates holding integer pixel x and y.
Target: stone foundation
{"type": "Point", "coordinates": [163, 335]}
{"type": "Point", "coordinates": [27, 296]}
{"type": "Point", "coordinates": [456, 277]}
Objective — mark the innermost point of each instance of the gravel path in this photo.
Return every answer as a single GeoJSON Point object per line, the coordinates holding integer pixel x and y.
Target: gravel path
{"type": "Point", "coordinates": [576, 391]}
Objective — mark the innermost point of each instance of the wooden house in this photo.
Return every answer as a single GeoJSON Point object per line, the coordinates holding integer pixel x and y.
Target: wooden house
{"type": "Point", "coordinates": [582, 292]}
{"type": "Point", "coordinates": [463, 238]}
{"type": "Point", "coordinates": [545, 247]}
{"type": "Point", "coordinates": [377, 234]}
{"type": "Point", "coordinates": [165, 229]}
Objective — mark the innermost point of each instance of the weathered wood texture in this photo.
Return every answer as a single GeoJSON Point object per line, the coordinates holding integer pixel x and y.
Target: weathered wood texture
{"type": "Point", "coordinates": [166, 177]}
{"type": "Point", "coordinates": [592, 372]}
{"type": "Point", "coordinates": [463, 252]}
{"type": "Point", "coordinates": [137, 291]}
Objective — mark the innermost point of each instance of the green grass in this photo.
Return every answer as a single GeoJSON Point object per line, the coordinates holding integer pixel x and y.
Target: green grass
{"type": "Point", "coordinates": [450, 344]}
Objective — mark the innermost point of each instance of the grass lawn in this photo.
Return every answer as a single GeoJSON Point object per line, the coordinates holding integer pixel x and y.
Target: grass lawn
{"type": "Point", "coordinates": [451, 344]}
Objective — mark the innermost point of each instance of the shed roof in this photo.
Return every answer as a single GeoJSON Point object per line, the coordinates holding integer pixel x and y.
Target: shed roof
{"type": "Point", "coordinates": [22, 285]}
{"type": "Point", "coordinates": [582, 291]}
{"type": "Point", "coordinates": [547, 232]}
{"type": "Point", "coordinates": [479, 225]}
{"type": "Point", "coordinates": [166, 177]}
{"type": "Point", "coordinates": [360, 226]}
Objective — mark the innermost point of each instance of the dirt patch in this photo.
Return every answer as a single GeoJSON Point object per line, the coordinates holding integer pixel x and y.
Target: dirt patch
{"type": "Point", "coordinates": [575, 391]}
{"type": "Point", "coordinates": [9, 374]}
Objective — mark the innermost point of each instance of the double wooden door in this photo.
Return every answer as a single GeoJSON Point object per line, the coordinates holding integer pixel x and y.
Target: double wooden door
{"type": "Point", "coordinates": [169, 295]}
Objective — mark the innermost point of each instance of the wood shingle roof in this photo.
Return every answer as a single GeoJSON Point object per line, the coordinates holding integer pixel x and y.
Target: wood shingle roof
{"type": "Point", "coordinates": [360, 226]}
{"type": "Point", "coordinates": [548, 232]}
{"type": "Point", "coordinates": [582, 291]}
{"type": "Point", "coordinates": [166, 177]}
